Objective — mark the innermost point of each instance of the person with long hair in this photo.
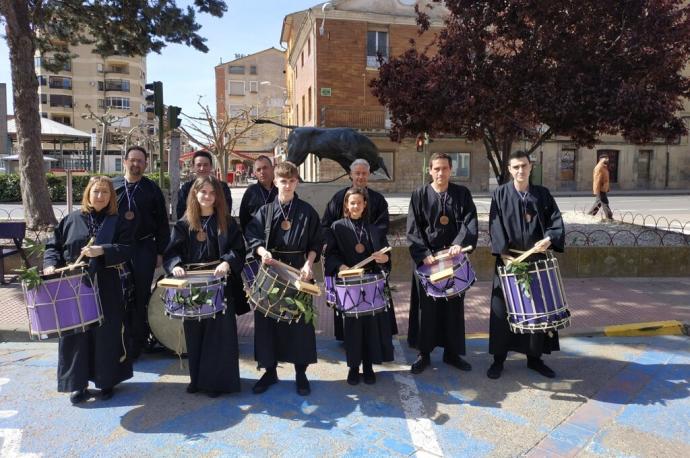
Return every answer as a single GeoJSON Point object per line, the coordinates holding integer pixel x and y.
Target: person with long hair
{"type": "Point", "coordinates": [98, 354]}
{"type": "Point", "coordinates": [206, 233]}
{"type": "Point", "coordinates": [368, 339]}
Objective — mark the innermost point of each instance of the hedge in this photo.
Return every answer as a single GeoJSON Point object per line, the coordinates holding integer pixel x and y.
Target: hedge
{"type": "Point", "coordinates": [10, 192]}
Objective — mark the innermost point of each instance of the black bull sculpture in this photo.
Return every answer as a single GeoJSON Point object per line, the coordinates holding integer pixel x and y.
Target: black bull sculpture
{"type": "Point", "coordinates": [340, 144]}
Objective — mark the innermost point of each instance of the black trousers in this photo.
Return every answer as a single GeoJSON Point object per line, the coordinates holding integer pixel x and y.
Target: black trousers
{"type": "Point", "coordinates": [143, 267]}
{"type": "Point", "coordinates": [601, 200]}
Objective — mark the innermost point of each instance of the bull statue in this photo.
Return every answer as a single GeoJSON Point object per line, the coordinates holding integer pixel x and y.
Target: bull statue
{"type": "Point", "coordinates": [340, 144]}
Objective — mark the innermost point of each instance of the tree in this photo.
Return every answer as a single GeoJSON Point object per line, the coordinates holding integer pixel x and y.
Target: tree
{"type": "Point", "coordinates": [534, 69]}
{"type": "Point", "coordinates": [218, 135]}
{"type": "Point", "coordinates": [130, 27]}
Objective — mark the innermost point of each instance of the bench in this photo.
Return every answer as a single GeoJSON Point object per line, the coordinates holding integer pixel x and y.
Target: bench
{"type": "Point", "coordinates": [14, 231]}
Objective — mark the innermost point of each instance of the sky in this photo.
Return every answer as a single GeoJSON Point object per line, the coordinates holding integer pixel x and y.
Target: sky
{"type": "Point", "coordinates": [247, 27]}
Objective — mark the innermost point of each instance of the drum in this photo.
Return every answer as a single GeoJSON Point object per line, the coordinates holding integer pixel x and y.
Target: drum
{"type": "Point", "coordinates": [275, 294]}
{"type": "Point", "coordinates": [541, 305]}
{"type": "Point", "coordinates": [460, 276]}
{"type": "Point", "coordinates": [64, 303]}
{"type": "Point", "coordinates": [170, 333]}
{"type": "Point", "coordinates": [249, 272]}
{"type": "Point", "coordinates": [203, 296]}
{"type": "Point", "coordinates": [357, 296]}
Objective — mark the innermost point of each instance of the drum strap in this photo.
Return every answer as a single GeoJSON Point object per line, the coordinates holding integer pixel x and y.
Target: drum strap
{"type": "Point", "coordinates": [267, 225]}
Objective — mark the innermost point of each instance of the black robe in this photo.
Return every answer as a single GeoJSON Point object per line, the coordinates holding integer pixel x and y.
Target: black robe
{"type": "Point", "coordinates": [183, 193]}
{"type": "Point", "coordinates": [509, 229]}
{"type": "Point", "coordinates": [151, 234]}
{"type": "Point", "coordinates": [212, 347]}
{"type": "Point", "coordinates": [376, 214]}
{"type": "Point", "coordinates": [439, 322]}
{"type": "Point", "coordinates": [255, 197]}
{"type": "Point", "coordinates": [279, 341]}
{"type": "Point", "coordinates": [93, 355]}
{"type": "Point", "coordinates": [367, 338]}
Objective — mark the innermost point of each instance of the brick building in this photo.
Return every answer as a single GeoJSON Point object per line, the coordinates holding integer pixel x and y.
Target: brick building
{"type": "Point", "coordinates": [331, 58]}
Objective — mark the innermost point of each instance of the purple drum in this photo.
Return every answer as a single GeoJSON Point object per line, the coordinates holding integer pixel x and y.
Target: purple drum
{"type": "Point", "coordinates": [357, 296]}
{"type": "Point", "coordinates": [249, 272]}
{"type": "Point", "coordinates": [463, 277]}
{"type": "Point", "coordinates": [540, 308]}
{"type": "Point", "coordinates": [63, 304]}
{"type": "Point", "coordinates": [202, 297]}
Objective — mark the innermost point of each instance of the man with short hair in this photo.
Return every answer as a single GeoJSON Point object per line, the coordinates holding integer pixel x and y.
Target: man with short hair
{"type": "Point", "coordinates": [377, 214]}
{"type": "Point", "coordinates": [260, 193]}
{"type": "Point", "coordinates": [202, 166]}
{"type": "Point", "coordinates": [522, 216]}
{"type": "Point", "coordinates": [600, 186]}
{"type": "Point", "coordinates": [442, 215]}
{"type": "Point", "coordinates": [141, 203]}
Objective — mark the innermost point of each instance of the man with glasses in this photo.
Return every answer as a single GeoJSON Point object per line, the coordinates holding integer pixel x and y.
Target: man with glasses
{"type": "Point", "coordinates": [141, 203]}
{"type": "Point", "coordinates": [202, 165]}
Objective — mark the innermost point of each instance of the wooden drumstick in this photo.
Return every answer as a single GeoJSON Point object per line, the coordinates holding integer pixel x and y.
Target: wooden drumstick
{"type": "Point", "coordinates": [78, 262]}
{"type": "Point", "coordinates": [357, 269]}
{"type": "Point", "coordinates": [448, 272]}
{"type": "Point", "coordinates": [527, 253]}
{"type": "Point", "coordinates": [303, 286]}
{"type": "Point", "coordinates": [446, 255]}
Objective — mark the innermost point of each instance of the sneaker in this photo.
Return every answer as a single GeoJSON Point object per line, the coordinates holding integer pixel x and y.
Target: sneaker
{"type": "Point", "coordinates": [495, 370]}
{"type": "Point", "coordinates": [421, 363]}
{"type": "Point", "coordinates": [269, 378]}
{"type": "Point", "coordinates": [539, 366]}
{"type": "Point", "coordinates": [353, 376]}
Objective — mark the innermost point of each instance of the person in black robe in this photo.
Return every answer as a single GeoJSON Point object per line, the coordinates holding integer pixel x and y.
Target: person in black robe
{"type": "Point", "coordinates": [521, 216]}
{"type": "Point", "coordinates": [98, 354]}
{"type": "Point", "coordinates": [202, 163]}
{"type": "Point", "coordinates": [259, 194]}
{"type": "Point", "coordinates": [295, 239]}
{"type": "Point", "coordinates": [368, 339]}
{"type": "Point", "coordinates": [441, 215]}
{"type": "Point", "coordinates": [141, 203]}
{"type": "Point", "coordinates": [377, 214]}
{"type": "Point", "coordinates": [199, 238]}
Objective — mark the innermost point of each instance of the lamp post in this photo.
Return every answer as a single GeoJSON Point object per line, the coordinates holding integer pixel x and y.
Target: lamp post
{"type": "Point", "coordinates": [105, 120]}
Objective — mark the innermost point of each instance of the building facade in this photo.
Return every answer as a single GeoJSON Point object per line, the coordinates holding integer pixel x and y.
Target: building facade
{"type": "Point", "coordinates": [91, 86]}
{"type": "Point", "coordinates": [332, 55]}
{"type": "Point", "coordinates": [247, 88]}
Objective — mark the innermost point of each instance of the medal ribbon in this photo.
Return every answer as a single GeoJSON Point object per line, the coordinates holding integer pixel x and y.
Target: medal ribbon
{"type": "Point", "coordinates": [94, 225]}
{"type": "Point", "coordinates": [285, 216]}
{"type": "Point", "coordinates": [267, 196]}
{"type": "Point", "coordinates": [130, 196]}
{"type": "Point", "coordinates": [359, 234]}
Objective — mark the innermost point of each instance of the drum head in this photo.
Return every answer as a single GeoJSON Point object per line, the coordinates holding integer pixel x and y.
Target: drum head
{"type": "Point", "coordinates": [169, 332]}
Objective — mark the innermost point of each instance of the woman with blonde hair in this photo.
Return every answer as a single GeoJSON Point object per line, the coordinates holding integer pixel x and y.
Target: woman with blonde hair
{"type": "Point", "coordinates": [98, 354]}
{"type": "Point", "coordinates": [207, 233]}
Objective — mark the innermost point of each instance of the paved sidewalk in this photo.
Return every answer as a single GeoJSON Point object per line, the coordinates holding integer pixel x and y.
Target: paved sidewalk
{"type": "Point", "coordinates": [595, 303]}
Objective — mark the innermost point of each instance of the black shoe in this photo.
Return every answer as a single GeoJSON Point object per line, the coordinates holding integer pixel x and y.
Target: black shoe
{"type": "Point", "coordinates": [456, 361]}
{"type": "Point", "coordinates": [106, 393]}
{"type": "Point", "coordinates": [213, 394]}
{"type": "Point", "coordinates": [495, 370]}
{"type": "Point", "coordinates": [353, 376]}
{"type": "Point", "coordinates": [191, 388]}
{"type": "Point", "coordinates": [368, 375]}
{"type": "Point", "coordinates": [539, 366]}
{"type": "Point", "coordinates": [303, 388]}
{"type": "Point", "coordinates": [269, 378]}
{"type": "Point", "coordinates": [78, 396]}
{"type": "Point", "coordinates": [421, 363]}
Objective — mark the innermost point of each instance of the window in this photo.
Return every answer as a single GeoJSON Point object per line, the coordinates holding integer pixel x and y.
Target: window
{"type": "Point", "coordinates": [44, 115]}
{"type": "Point", "coordinates": [254, 86]}
{"type": "Point", "coordinates": [252, 69]}
{"type": "Point", "coordinates": [42, 81]}
{"type": "Point", "coordinates": [236, 87]}
{"type": "Point", "coordinates": [236, 69]}
{"type": "Point", "coordinates": [66, 120]}
{"type": "Point", "coordinates": [301, 58]}
{"type": "Point", "coordinates": [122, 69]}
{"type": "Point", "coordinates": [643, 166]}
{"type": "Point", "coordinates": [566, 168]}
{"type": "Point", "coordinates": [61, 101]}
{"type": "Point", "coordinates": [308, 46]}
{"type": "Point", "coordinates": [461, 165]}
{"type": "Point", "coordinates": [297, 114]}
{"type": "Point", "coordinates": [254, 112]}
{"type": "Point", "coordinates": [116, 85]}
{"type": "Point", "coordinates": [235, 110]}
{"type": "Point", "coordinates": [377, 43]}
{"type": "Point", "coordinates": [613, 162]}
{"type": "Point", "coordinates": [59, 82]}
{"type": "Point", "coordinates": [309, 102]}
{"type": "Point", "coordinates": [117, 102]}
{"type": "Point", "coordinates": [44, 98]}
{"type": "Point", "coordinates": [303, 110]}
{"type": "Point", "coordinates": [99, 68]}
{"type": "Point", "coordinates": [118, 164]}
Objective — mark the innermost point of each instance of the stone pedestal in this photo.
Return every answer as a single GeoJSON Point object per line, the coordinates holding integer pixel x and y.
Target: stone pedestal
{"type": "Point", "coordinates": [318, 194]}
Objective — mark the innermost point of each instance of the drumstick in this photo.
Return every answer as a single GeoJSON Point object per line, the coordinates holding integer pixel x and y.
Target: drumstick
{"type": "Point", "coordinates": [197, 265]}
{"type": "Point", "coordinates": [299, 284]}
{"type": "Point", "coordinates": [527, 253]}
{"type": "Point", "coordinates": [78, 262]}
{"type": "Point", "coordinates": [357, 269]}
{"type": "Point", "coordinates": [445, 255]}
{"type": "Point", "coordinates": [371, 258]}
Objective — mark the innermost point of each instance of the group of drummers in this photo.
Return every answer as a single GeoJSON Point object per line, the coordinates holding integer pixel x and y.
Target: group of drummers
{"type": "Point", "coordinates": [217, 269]}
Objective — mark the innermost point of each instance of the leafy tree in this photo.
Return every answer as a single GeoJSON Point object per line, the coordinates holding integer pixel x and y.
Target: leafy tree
{"type": "Point", "coordinates": [130, 27]}
{"type": "Point", "coordinates": [534, 69]}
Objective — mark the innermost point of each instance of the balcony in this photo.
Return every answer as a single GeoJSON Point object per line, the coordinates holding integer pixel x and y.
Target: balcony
{"type": "Point", "coordinates": [117, 69]}
{"type": "Point", "coordinates": [365, 119]}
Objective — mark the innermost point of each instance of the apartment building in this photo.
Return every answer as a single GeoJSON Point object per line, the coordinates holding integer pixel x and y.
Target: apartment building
{"type": "Point", "coordinates": [332, 51]}
{"type": "Point", "coordinates": [251, 87]}
{"type": "Point", "coordinates": [91, 86]}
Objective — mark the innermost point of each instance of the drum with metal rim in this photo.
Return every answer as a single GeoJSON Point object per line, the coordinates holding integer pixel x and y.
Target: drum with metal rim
{"type": "Point", "coordinates": [460, 276]}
